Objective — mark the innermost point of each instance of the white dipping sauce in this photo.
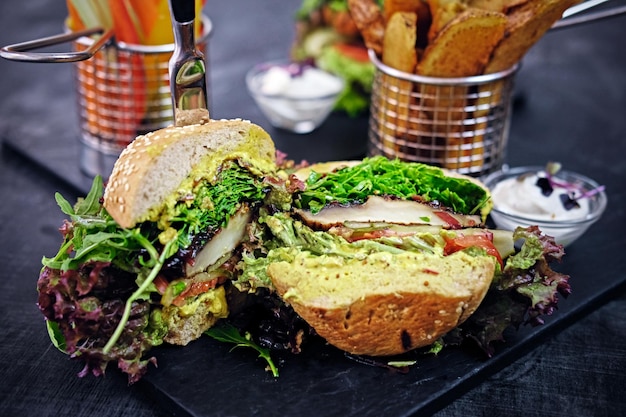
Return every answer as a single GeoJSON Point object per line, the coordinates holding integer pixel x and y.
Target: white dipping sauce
{"type": "Point", "coordinates": [523, 197]}
{"type": "Point", "coordinates": [311, 83]}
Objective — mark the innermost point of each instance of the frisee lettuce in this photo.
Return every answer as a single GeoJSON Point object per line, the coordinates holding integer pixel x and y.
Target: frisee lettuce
{"type": "Point", "coordinates": [384, 177]}
{"type": "Point", "coordinates": [215, 204]}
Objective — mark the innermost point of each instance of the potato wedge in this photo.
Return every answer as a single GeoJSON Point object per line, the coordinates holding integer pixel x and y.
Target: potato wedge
{"type": "Point", "coordinates": [443, 11]}
{"type": "Point", "coordinates": [369, 18]}
{"type": "Point", "coordinates": [461, 49]}
{"type": "Point", "coordinates": [464, 46]}
{"type": "Point", "coordinates": [527, 23]}
{"type": "Point", "coordinates": [420, 8]}
{"type": "Point", "coordinates": [399, 42]}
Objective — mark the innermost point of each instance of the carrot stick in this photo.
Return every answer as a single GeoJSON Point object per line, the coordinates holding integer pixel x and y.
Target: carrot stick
{"type": "Point", "coordinates": [125, 30]}
{"type": "Point", "coordinates": [73, 22]}
{"type": "Point", "coordinates": [131, 84]}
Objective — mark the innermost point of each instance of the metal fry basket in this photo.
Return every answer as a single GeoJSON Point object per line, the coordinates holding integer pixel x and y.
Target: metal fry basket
{"type": "Point", "coordinates": [461, 124]}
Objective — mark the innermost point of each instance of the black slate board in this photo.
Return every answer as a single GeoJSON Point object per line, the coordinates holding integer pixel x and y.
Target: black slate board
{"type": "Point", "coordinates": [65, 167]}
{"type": "Point", "coordinates": [206, 378]}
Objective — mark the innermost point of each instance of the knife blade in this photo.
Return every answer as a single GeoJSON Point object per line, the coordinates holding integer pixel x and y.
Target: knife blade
{"type": "Point", "coordinates": [187, 68]}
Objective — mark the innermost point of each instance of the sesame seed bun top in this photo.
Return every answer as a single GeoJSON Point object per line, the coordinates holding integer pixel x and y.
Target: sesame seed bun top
{"type": "Point", "coordinates": [154, 166]}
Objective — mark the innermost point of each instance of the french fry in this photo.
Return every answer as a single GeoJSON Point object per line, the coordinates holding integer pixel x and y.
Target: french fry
{"type": "Point", "coordinates": [369, 18]}
{"type": "Point", "coordinates": [527, 23]}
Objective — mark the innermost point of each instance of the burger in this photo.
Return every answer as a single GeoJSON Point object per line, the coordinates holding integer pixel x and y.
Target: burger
{"type": "Point", "coordinates": [206, 229]}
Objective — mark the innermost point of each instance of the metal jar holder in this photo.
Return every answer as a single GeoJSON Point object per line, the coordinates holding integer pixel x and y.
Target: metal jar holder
{"type": "Point", "coordinates": [122, 90]}
{"type": "Point", "coordinates": [457, 123]}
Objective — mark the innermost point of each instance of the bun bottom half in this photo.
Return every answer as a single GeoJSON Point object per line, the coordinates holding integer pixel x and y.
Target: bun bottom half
{"type": "Point", "coordinates": [386, 304]}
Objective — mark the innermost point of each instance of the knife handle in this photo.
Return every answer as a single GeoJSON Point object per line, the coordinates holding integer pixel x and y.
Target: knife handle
{"type": "Point", "coordinates": [183, 10]}
{"type": "Point", "coordinates": [187, 69]}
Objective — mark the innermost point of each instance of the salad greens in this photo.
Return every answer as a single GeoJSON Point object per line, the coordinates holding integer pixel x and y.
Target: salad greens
{"type": "Point", "coordinates": [98, 292]}
{"type": "Point", "coordinates": [521, 293]}
{"type": "Point", "coordinates": [215, 204]}
{"type": "Point", "coordinates": [384, 177]}
{"type": "Point", "coordinates": [93, 236]}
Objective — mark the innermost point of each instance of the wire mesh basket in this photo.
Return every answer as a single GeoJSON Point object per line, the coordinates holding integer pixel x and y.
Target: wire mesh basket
{"type": "Point", "coordinates": [122, 91]}
{"type": "Point", "coordinates": [461, 124]}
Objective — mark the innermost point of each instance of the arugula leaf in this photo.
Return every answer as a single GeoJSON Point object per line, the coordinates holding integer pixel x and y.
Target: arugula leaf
{"type": "Point", "coordinates": [56, 335]}
{"type": "Point", "coordinates": [90, 205]}
{"type": "Point", "coordinates": [226, 332]}
{"type": "Point", "coordinates": [65, 206]}
{"type": "Point", "coordinates": [93, 240]}
{"type": "Point", "coordinates": [141, 293]}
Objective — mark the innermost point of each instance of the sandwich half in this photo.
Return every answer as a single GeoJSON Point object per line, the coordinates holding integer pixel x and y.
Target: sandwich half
{"type": "Point", "coordinates": [144, 261]}
{"type": "Point", "coordinates": [381, 257]}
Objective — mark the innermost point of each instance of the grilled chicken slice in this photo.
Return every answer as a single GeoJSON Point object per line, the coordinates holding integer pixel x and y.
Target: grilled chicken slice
{"type": "Point", "coordinates": [223, 243]}
{"type": "Point", "coordinates": [387, 210]}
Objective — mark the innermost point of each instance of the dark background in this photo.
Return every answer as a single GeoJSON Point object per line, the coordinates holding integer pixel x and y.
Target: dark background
{"type": "Point", "coordinates": [571, 101]}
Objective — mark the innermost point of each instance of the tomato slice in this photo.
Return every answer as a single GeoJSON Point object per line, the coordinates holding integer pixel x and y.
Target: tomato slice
{"type": "Point", "coordinates": [196, 288]}
{"type": "Point", "coordinates": [482, 240]}
{"type": "Point", "coordinates": [449, 219]}
{"type": "Point", "coordinates": [355, 52]}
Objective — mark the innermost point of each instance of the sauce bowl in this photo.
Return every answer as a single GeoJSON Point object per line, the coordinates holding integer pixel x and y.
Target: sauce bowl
{"type": "Point", "coordinates": [565, 231]}
{"type": "Point", "coordinates": [293, 96]}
